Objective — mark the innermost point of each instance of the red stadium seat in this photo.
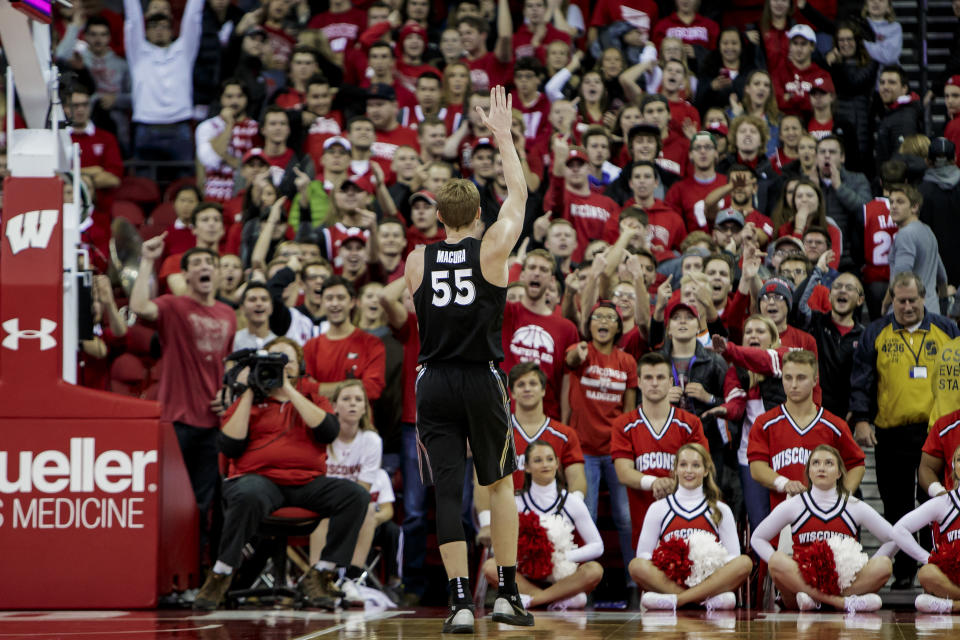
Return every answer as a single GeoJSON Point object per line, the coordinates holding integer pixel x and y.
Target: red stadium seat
{"type": "Point", "coordinates": [128, 375]}
{"type": "Point", "coordinates": [138, 339]}
{"type": "Point", "coordinates": [149, 230]}
{"type": "Point", "coordinates": [128, 210]}
{"type": "Point", "coordinates": [164, 215]}
{"type": "Point", "coordinates": [139, 190]}
{"type": "Point", "coordinates": [172, 188]}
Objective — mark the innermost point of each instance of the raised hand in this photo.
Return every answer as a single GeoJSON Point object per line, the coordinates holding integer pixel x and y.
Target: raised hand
{"type": "Point", "coordinates": [152, 249]}
{"type": "Point", "coordinates": [500, 117]}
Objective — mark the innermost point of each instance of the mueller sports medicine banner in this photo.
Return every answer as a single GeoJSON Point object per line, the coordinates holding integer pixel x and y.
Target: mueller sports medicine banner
{"type": "Point", "coordinates": [96, 509]}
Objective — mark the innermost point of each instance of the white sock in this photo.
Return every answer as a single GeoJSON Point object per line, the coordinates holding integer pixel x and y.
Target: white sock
{"type": "Point", "coordinates": [222, 568]}
{"type": "Point", "coordinates": [324, 565]}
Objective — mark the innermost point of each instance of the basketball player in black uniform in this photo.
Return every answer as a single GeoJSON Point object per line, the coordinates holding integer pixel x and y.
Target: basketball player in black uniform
{"type": "Point", "coordinates": [459, 289]}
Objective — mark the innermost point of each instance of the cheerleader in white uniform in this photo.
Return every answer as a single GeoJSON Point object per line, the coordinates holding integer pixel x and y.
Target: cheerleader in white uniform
{"type": "Point", "coordinates": [694, 505]}
{"type": "Point", "coordinates": [542, 494]}
{"type": "Point", "coordinates": [942, 594]}
{"type": "Point", "coordinates": [825, 510]}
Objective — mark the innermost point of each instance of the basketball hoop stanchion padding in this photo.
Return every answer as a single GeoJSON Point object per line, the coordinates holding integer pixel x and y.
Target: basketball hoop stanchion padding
{"type": "Point", "coordinates": [96, 509]}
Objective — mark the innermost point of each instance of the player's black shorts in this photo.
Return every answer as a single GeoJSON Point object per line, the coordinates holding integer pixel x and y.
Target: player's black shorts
{"type": "Point", "coordinates": [459, 402]}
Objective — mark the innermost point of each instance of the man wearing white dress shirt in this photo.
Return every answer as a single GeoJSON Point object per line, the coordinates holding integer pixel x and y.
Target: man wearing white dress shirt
{"type": "Point", "coordinates": [161, 70]}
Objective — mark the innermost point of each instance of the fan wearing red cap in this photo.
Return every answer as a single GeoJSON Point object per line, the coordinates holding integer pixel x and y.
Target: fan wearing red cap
{"type": "Point", "coordinates": [951, 98]}
{"type": "Point", "coordinates": [822, 96]}
{"type": "Point", "coordinates": [412, 44]}
{"type": "Point", "coordinates": [603, 386]}
{"type": "Point", "coordinates": [570, 197]}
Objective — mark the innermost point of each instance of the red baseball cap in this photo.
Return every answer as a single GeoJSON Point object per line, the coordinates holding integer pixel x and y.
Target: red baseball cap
{"type": "Point", "coordinates": [823, 83]}
{"type": "Point", "coordinates": [576, 153]}
{"type": "Point", "coordinates": [361, 180]}
{"type": "Point", "coordinates": [354, 233]}
{"type": "Point", "coordinates": [256, 152]}
{"type": "Point", "coordinates": [954, 81]}
{"type": "Point", "coordinates": [679, 304]}
{"type": "Point", "coordinates": [423, 194]}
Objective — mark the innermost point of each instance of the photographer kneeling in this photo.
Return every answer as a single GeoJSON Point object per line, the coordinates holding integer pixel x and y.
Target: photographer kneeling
{"type": "Point", "coordinates": [275, 435]}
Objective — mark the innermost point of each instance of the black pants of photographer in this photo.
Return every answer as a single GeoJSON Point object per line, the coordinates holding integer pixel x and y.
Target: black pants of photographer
{"type": "Point", "coordinates": [249, 499]}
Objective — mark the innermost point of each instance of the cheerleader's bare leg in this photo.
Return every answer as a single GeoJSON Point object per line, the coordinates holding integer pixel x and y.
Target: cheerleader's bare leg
{"type": "Point", "coordinates": [584, 580]}
{"type": "Point", "coordinates": [788, 579]}
{"type": "Point", "coordinates": [935, 582]}
{"type": "Point", "coordinates": [727, 578]}
{"type": "Point", "coordinates": [649, 577]}
{"type": "Point", "coordinates": [872, 577]}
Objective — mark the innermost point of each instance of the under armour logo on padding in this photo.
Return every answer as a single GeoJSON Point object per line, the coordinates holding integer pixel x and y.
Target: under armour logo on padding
{"type": "Point", "coordinates": [45, 334]}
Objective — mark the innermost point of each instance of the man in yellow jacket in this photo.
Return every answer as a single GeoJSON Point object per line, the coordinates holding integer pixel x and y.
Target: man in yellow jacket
{"type": "Point", "coordinates": [891, 387]}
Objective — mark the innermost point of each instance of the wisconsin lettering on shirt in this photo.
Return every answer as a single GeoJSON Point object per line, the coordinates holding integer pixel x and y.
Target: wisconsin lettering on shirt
{"type": "Point", "coordinates": [662, 460]}
{"type": "Point", "coordinates": [604, 383]}
{"type": "Point", "coordinates": [787, 457]}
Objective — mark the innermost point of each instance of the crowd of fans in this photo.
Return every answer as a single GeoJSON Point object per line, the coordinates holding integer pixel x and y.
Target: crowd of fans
{"type": "Point", "coordinates": [719, 183]}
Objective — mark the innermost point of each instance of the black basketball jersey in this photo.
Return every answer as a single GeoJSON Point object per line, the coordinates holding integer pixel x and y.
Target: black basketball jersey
{"type": "Point", "coordinates": [459, 313]}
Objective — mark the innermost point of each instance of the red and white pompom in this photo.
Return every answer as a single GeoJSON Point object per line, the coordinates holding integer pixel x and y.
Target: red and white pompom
{"type": "Point", "coordinates": [830, 565]}
{"type": "Point", "coordinates": [690, 561]}
{"type": "Point", "coordinates": [947, 558]}
{"type": "Point", "coordinates": [543, 545]}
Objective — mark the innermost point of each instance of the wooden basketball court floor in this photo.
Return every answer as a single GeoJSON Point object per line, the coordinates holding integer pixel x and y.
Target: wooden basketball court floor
{"type": "Point", "coordinates": [418, 624]}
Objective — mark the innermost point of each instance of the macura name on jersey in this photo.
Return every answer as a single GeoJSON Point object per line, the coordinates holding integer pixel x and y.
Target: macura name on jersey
{"type": "Point", "coordinates": [681, 534]}
{"type": "Point", "coordinates": [655, 460]}
{"type": "Point", "coordinates": [787, 457]}
{"type": "Point", "coordinates": [452, 257]}
{"type": "Point", "coordinates": [808, 537]}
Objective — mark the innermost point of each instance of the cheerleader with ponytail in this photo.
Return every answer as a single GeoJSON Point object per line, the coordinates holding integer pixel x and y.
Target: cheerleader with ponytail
{"type": "Point", "coordinates": [550, 569]}
{"type": "Point", "coordinates": [940, 574]}
{"type": "Point", "coordinates": [689, 550]}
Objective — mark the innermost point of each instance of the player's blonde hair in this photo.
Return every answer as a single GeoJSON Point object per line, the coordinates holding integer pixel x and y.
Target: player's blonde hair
{"type": "Point", "coordinates": [458, 202]}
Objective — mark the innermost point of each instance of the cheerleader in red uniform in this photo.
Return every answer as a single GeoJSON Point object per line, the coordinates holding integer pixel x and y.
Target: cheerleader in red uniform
{"type": "Point", "coordinates": [942, 591]}
{"type": "Point", "coordinates": [694, 505]}
{"type": "Point", "coordinates": [823, 511]}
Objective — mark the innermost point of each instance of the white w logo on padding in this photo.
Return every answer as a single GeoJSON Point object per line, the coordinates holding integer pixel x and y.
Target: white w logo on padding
{"type": "Point", "coordinates": [31, 229]}
{"type": "Point", "coordinates": [45, 334]}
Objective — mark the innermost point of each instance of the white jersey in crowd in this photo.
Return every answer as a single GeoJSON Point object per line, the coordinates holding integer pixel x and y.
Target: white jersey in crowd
{"type": "Point", "coordinates": [358, 460]}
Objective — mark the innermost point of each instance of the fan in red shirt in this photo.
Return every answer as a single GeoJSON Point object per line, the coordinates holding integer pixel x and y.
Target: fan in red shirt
{"type": "Point", "coordinates": [879, 230]}
{"type": "Point", "coordinates": [534, 105]}
{"type": "Point", "coordinates": [412, 44]}
{"type": "Point", "coordinates": [641, 14]}
{"type": "Point", "coordinates": [781, 439]}
{"type": "Point", "coordinates": [488, 68]}
{"type": "Point", "coordinates": [675, 147]}
{"type": "Point", "coordinates": [798, 74]}
{"type": "Point", "coordinates": [536, 32]}
{"type": "Point", "coordinates": [303, 66]}
{"type": "Point", "coordinates": [327, 123]}
{"type": "Point", "coordinates": [603, 386]}
{"type": "Point", "coordinates": [341, 24]}
{"type": "Point", "coordinates": [570, 196]}
{"type": "Point", "coordinates": [644, 442]}
{"type": "Point", "coordinates": [951, 99]}
{"type": "Point", "coordinates": [687, 196]}
{"type": "Point", "coordinates": [344, 352]}
{"type": "Point", "coordinates": [100, 157]}
{"type": "Point", "coordinates": [532, 333]}
{"type": "Point", "coordinates": [527, 384]}
{"type": "Point", "coordinates": [665, 227]}
{"type": "Point", "coordinates": [382, 111]}
{"type": "Point", "coordinates": [936, 461]}
{"type": "Point", "coordinates": [687, 25]}
{"type": "Point", "coordinates": [382, 69]}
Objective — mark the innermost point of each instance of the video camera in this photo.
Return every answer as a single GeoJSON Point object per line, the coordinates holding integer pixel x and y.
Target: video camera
{"type": "Point", "coordinates": [266, 372]}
